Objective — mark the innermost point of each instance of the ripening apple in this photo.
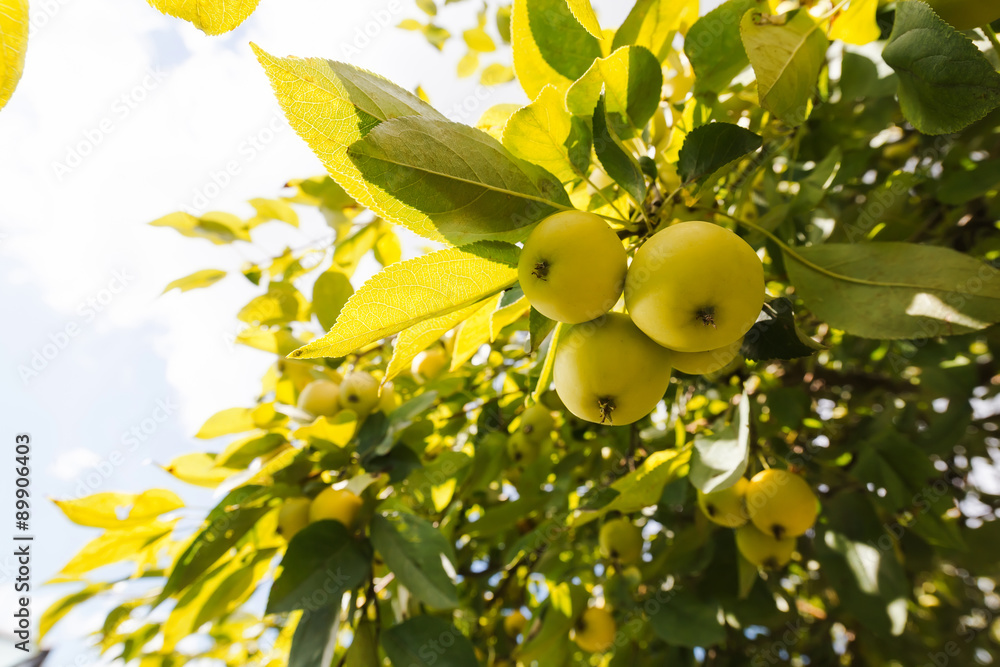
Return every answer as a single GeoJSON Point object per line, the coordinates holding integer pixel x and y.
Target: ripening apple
{"type": "Point", "coordinates": [536, 423]}
{"type": "Point", "coordinates": [621, 540]}
{"type": "Point", "coordinates": [595, 631]}
{"type": "Point", "coordinates": [572, 267]}
{"type": "Point", "coordinates": [429, 364]}
{"type": "Point", "coordinates": [293, 517]}
{"type": "Point", "coordinates": [359, 392]}
{"type": "Point", "coordinates": [726, 507]}
{"type": "Point", "coordinates": [387, 398]}
{"type": "Point", "coordinates": [764, 550]}
{"type": "Point", "coordinates": [336, 504]}
{"type": "Point", "coordinates": [522, 451]}
{"type": "Point", "coordinates": [320, 398]}
{"type": "Point", "coordinates": [514, 623]}
{"type": "Point", "coordinates": [609, 372]}
{"type": "Point", "coordinates": [695, 286]}
{"type": "Point", "coordinates": [781, 503]}
{"type": "Point", "coordinates": [709, 361]}
{"type": "Point", "coordinates": [967, 14]}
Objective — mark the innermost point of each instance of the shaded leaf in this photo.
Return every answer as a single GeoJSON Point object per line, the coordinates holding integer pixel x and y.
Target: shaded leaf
{"type": "Point", "coordinates": [711, 147]}
{"type": "Point", "coordinates": [415, 551]}
{"type": "Point", "coordinates": [776, 335]}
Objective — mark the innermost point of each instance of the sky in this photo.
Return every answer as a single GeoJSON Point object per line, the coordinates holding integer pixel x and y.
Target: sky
{"type": "Point", "coordinates": [124, 115]}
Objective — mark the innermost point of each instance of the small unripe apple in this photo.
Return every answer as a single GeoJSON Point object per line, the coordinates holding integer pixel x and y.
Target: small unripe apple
{"type": "Point", "coordinates": [320, 398]}
{"type": "Point", "coordinates": [521, 451]}
{"type": "Point", "coordinates": [293, 517]}
{"type": "Point", "coordinates": [726, 507]}
{"type": "Point", "coordinates": [621, 541]}
{"type": "Point", "coordinates": [781, 503]}
{"type": "Point", "coordinates": [336, 504]}
{"type": "Point", "coordinates": [515, 623]}
{"type": "Point", "coordinates": [429, 364]}
{"type": "Point", "coordinates": [359, 392]}
{"type": "Point", "coordinates": [536, 423]}
{"type": "Point", "coordinates": [764, 550]}
{"type": "Point", "coordinates": [595, 631]}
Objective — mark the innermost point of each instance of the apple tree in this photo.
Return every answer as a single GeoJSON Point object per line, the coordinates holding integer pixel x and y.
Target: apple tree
{"type": "Point", "coordinates": [703, 371]}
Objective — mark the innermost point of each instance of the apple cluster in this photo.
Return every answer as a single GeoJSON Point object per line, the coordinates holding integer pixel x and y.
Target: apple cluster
{"type": "Point", "coordinates": [768, 511]}
{"type": "Point", "coordinates": [691, 292]}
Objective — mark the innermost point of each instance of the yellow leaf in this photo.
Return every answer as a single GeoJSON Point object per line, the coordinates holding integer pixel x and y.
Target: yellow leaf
{"type": "Point", "coordinates": [507, 315]}
{"type": "Point", "coordinates": [198, 469]}
{"type": "Point", "coordinates": [57, 610]}
{"type": "Point", "coordinates": [409, 292]}
{"type": "Point", "coordinates": [108, 509]}
{"type": "Point", "coordinates": [273, 209]}
{"type": "Point", "coordinates": [478, 39]}
{"type": "Point", "coordinates": [468, 64]}
{"type": "Point", "coordinates": [279, 342]}
{"type": "Point", "coordinates": [212, 17]}
{"type": "Point", "coordinates": [493, 119]}
{"type": "Point", "coordinates": [584, 13]}
{"type": "Point", "coordinates": [13, 45]}
{"type": "Point", "coordinates": [137, 544]}
{"type": "Point", "coordinates": [225, 422]}
{"type": "Point", "coordinates": [422, 335]}
{"type": "Point", "coordinates": [473, 334]}
{"type": "Point", "coordinates": [856, 23]}
{"type": "Point", "coordinates": [337, 430]}
{"type": "Point", "coordinates": [496, 74]}
{"type": "Point", "coordinates": [216, 226]}
{"type": "Point", "coordinates": [196, 280]}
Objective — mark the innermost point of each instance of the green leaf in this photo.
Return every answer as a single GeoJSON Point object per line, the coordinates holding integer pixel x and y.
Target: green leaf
{"type": "Point", "coordinates": [787, 53]}
{"type": "Point", "coordinates": [458, 180]}
{"type": "Point", "coordinates": [427, 641]}
{"type": "Point", "coordinates": [336, 430]}
{"type": "Point", "coordinates": [714, 47]}
{"type": "Point", "coordinates": [196, 280]}
{"type": "Point", "coordinates": [412, 291]}
{"type": "Point", "coordinates": [331, 291]}
{"type": "Point", "coordinates": [684, 620]}
{"type": "Point", "coordinates": [332, 105]}
{"type": "Point", "coordinates": [228, 523]}
{"type": "Point", "coordinates": [546, 134]}
{"type": "Point", "coordinates": [414, 550]}
{"type": "Point", "coordinates": [895, 290]}
{"type": "Point", "coordinates": [550, 46]}
{"type": "Point", "coordinates": [776, 335]}
{"type": "Point", "coordinates": [945, 82]}
{"type": "Point", "coordinates": [58, 609]}
{"type": "Point", "coordinates": [858, 556]}
{"type": "Point", "coordinates": [620, 164]}
{"type": "Point", "coordinates": [212, 17]}
{"type": "Point", "coordinates": [539, 328]}
{"type": "Point", "coordinates": [316, 631]}
{"type": "Point", "coordinates": [511, 307]}
{"type": "Point", "coordinates": [963, 185]}
{"type": "Point", "coordinates": [14, 21]}
{"type": "Point", "coordinates": [107, 509]}
{"type": "Point", "coordinates": [363, 651]}
{"type": "Point", "coordinates": [321, 564]}
{"type": "Point", "coordinates": [630, 79]}
{"type": "Point", "coordinates": [711, 147]}
{"type": "Point", "coordinates": [719, 460]}
{"type": "Point", "coordinates": [910, 483]}
{"type": "Point", "coordinates": [654, 23]}
{"type": "Point", "coordinates": [566, 604]}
